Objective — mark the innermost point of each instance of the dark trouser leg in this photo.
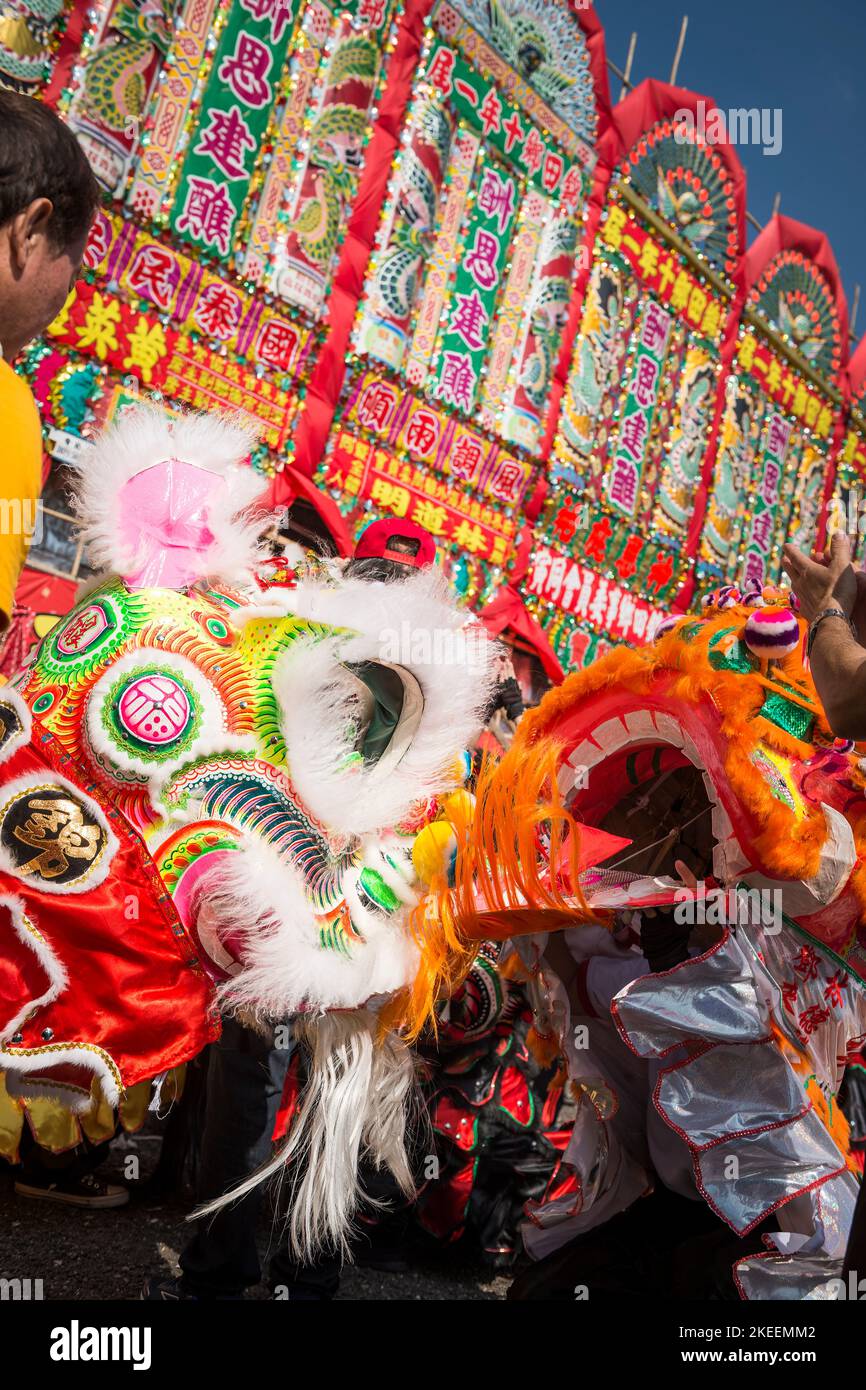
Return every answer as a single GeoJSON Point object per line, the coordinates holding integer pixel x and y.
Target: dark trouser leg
{"type": "Point", "coordinates": [382, 1233]}
{"type": "Point", "coordinates": [855, 1255]}
{"type": "Point", "coordinates": [40, 1164]}
{"type": "Point", "coordinates": [304, 1282]}
{"type": "Point", "coordinates": [245, 1082]}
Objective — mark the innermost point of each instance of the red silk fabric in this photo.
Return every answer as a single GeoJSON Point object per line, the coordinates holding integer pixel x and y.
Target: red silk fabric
{"type": "Point", "coordinates": [134, 992]}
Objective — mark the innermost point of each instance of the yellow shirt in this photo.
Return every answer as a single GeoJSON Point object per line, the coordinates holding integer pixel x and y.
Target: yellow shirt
{"type": "Point", "coordinates": [20, 479]}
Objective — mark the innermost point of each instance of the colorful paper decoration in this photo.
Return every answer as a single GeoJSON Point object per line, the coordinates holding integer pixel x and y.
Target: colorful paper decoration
{"type": "Point", "coordinates": [157, 163]}
{"type": "Point", "coordinates": [781, 431]}
{"type": "Point", "coordinates": [328, 181]}
{"type": "Point", "coordinates": [235, 110]}
{"type": "Point", "coordinates": [657, 330]}
{"type": "Point", "coordinates": [410, 243]}
{"type": "Point", "coordinates": [514, 177]}
{"type": "Point", "coordinates": [115, 82]}
{"type": "Point", "coordinates": [31, 32]}
{"type": "Point", "coordinates": [355, 468]}
{"type": "Point", "coordinates": [466, 297]}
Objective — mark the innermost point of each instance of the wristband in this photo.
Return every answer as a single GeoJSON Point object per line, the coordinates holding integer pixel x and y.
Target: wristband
{"type": "Point", "coordinates": [818, 620]}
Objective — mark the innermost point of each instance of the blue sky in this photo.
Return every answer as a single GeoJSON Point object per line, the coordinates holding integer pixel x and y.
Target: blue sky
{"type": "Point", "coordinates": [807, 59]}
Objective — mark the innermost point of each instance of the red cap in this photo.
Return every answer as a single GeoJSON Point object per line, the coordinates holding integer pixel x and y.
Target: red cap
{"type": "Point", "coordinates": [404, 542]}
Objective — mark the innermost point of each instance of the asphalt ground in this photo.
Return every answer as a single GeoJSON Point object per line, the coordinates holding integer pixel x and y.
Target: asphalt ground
{"type": "Point", "coordinates": [80, 1254]}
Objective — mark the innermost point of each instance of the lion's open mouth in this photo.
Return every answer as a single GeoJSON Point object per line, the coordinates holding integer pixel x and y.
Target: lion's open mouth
{"type": "Point", "coordinates": [640, 774]}
{"type": "Point", "coordinates": [659, 778]}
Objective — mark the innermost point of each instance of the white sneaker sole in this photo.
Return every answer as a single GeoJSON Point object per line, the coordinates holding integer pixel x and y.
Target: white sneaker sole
{"type": "Point", "coordinates": [69, 1199]}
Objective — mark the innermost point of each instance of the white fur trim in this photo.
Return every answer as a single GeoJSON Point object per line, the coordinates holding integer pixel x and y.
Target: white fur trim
{"type": "Point", "coordinates": [92, 879]}
{"type": "Point", "coordinates": [146, 436]}
{"type": "Point", "coordinates": [414, 628]}
{"type": "Point", "coordinates": [212, 738]}
{"type": "Point", "coordinates": [25, 929]}
{"type": "Point", "coordinates": [85, 1055]}
{"type": "Point", "coordinates": [10, 697]}
{"type": "Point", "coordinates": [285, 966]}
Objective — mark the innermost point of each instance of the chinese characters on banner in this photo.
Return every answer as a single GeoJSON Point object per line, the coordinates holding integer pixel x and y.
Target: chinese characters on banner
{"type": "Point", "coordinates": [361, 471]}
{"type": "Point", "coordinates": [636, 560]}
{"type": "Point", "coordinates": [435, 439]}
{"type": "Point", "coordinates": [768, 486]}
{"type": "Point", "coordinates": [662, 272]}
{"type": "Point", "coordinates": [622, 481]}
{"type": "Point", "coordinates": [764, 501]}
{"type": "Point", "coordinates": [573, 124]}
{"type": "Point", "coordinates": [235, 111]}
{"type": "Point", "coordinates": [780, 434]}
{"type": "Point", "coordinates": [198, 300]}
{"type": "Point", "coordinates": [99, 325]}
{"type": "Point", "coordinates": [463, 345]}
{"type": "Point", "coordinates": [784, 385]}
{"type": "Point", "coordinates": [638, 408]}
{"type": "Point", "coordinates": [576, 589]}
{"type": "Point", "coordinates": [535, 156]}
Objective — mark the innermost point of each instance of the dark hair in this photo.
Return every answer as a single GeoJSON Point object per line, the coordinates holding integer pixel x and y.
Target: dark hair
{"type": "Point", "coordinates": [377, 570]}
{"type": "Point", "coordinates": [304, 525]}
{"type": "Point", "coordinates": [41, 158]}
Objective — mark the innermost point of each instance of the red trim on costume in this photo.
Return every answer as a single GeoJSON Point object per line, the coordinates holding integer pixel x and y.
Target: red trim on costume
{"type": "Point", "coordinates": [696, 1053]}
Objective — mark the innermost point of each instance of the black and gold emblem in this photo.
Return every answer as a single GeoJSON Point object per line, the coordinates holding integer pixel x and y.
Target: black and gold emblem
{"type": "Point", "coordinates": [11, 725]}
{"type": "Point", "coordinates": [51, 835]}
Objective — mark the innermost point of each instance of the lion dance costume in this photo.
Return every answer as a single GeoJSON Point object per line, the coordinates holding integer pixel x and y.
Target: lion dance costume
{"type": "Point", "coordinates": [190, 815]}
{"type": "Point", "coordinates": [720, 1070]}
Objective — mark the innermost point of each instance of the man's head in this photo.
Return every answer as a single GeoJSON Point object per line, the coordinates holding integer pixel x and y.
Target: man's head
{"type": "Point", "coordinates": [48, 198]}
{"type": "Point", "coordinates": [391, 549]}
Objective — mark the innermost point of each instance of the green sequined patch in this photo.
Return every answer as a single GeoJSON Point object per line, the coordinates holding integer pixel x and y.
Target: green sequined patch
{"type": "Point", "coordinates": [736, 658]}
{"type": "Point", "coordinates": [786, 715]}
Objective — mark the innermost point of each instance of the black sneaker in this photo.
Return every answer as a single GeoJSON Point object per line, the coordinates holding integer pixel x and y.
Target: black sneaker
{"type": "Point", "coordinates": [172, 1291]}
{"type": "Point", "coordinates": [87, 1191]}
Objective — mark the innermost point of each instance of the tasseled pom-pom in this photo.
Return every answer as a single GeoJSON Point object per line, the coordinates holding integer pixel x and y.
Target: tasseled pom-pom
{"type": "Point", "coordinates": [772, 633]}
{"type": "Point", "coordinates": [666, 625]}
{"type": "Point", "coordinates": [726, 596]}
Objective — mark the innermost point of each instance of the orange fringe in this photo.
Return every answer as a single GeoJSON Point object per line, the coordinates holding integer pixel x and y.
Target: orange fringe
{"type": "Point", "coordinates": [498, 860]}
{"type": "Point", "coordinates": [789, 847]}
{"type": "Point", "coordinates": [499, 863]}
{"type": "Point", "coordinates": [544, 1047]}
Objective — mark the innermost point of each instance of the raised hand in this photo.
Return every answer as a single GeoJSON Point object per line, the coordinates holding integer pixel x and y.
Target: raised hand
{"type": "Point", "coordinates": [826, 582]}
